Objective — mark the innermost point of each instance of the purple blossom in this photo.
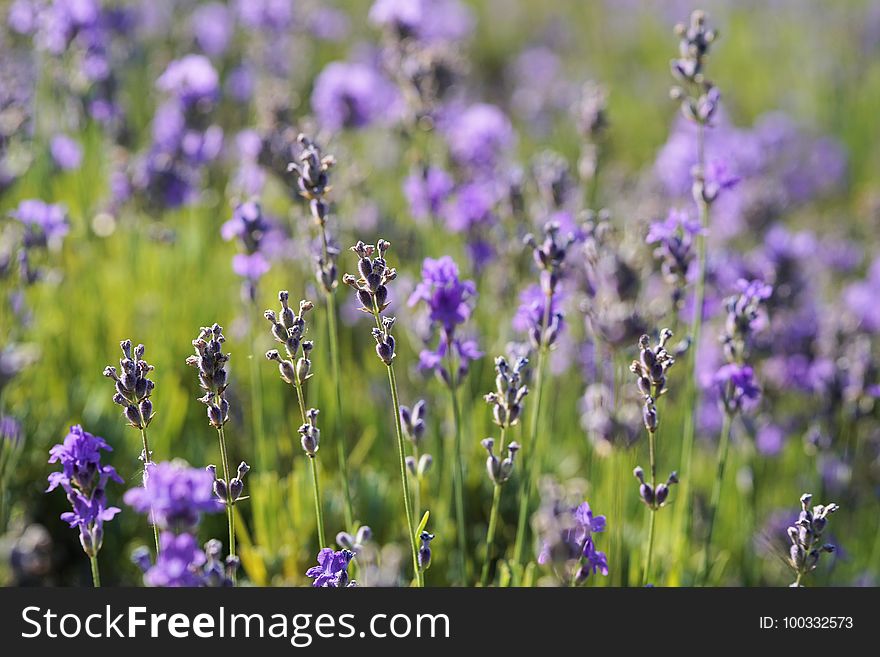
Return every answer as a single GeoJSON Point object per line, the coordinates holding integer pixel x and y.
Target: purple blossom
{"type": "Point", "coordinates": [770, 439]}
{"type": "Point", "coordinates": [737, 387]}
{"type": "Point", "coordinates": [478, 136]}
{"type": "Point", "coordinates": [533, 308]}
{"type": "Point", "coordinates": [10, 430]}
{"type": "Point", "coordinates": [84, 479]}
{"type": "Point", "coordinates": [178, 562]}
{"type": "Point", "coordinates": [191, 80]}
{"type": "Point", "coordinates": [48, 220]}
{"type": "Point", "coordinates": [427, 190]}
{"type": "Point", "coordinates": [213, 28]}
{"type": "Point", "coordinates": [251, 266]}
{"type": "Point", "coordinates": [446, 296]}
{"type": "Point", "coordinates": [332, 569]}
{"type": "Point", "coordinates": [426, 20]}
{"type": "Point", "coordinates": [471, 207]}
{"type": "Point", "coordinates": [66, 152]}
{"type": "Point", "coordinates": [567, 536]}
{"type": "Point", "coordinates": [176, 495]}
{"type": "Point", "coordinates": [678, 225]}
{"type": "Point", "coordinates": [351, 95]}
{"type": "Point", "coordinates": [269, 15]}
{"type": "Point", "coordinates": [466, 350]}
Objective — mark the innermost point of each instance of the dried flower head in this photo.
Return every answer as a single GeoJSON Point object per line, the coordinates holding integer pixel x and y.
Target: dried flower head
{"type": "Point", "coordinates": [133, 388]}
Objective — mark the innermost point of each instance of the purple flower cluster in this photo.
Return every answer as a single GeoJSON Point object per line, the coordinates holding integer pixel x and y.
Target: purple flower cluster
{"type": "Point", "coordinates": [675, 240]}
{"type": "Point", "coordinates": [448, 299]}
{"type": "Point", "coordinates": [184, 139]}
{"type": "Point", "coordinates": [478, 137]}
{"type": "Point", "coordinates": [352, 95]}
{"type": "Point", "coordinates": [332, 569]}
{"type": "Point", "coordinates": [567, 538]}
{"type": "Point", "coordinates": [84, 479]}
{"type": "Point", "coordinates": [250, 228]}
{"type": "Point", "coordinates": [176, 495]}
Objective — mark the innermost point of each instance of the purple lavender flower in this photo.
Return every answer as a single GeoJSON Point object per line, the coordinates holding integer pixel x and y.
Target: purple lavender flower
{"type": "Point", "coordinates": [332, 569]}
{"type": "Point", "coordinates": [479, 136]}
{"type": "Point", "coordinates": [66, 152]}
{"type": "Point", "coordinates": [532, 310]}
{"type": "Point", "coordinates": [45, 222]}
{"type": "Point", "coordinates": [176, 494]}
{"type": "Point", "coordinates": [267, 15]}
{"type": "Point", "coordinates": [426, 191]}
{"type": "Point", "coordinates": [737, 387]}
{"type": "Point", "coordinates": [448, 299]}
{"type": "Point", "coordinates": [10, 431]}
{"type": "Point", "coordinates": [426, 20]}
{"type": "Point", "coordinates": [191, 80]}
{"type": "Point", "coordinates": [84, 479]}
{"type": "Point", "coordinates": [674, 238]}
{"type": "Point", "coordinates": [351, 95]}
{"type": "Point", "coordinates": [250, 228]}
{"type": "Point", "coordinates": [213, 28]}
{"type": "Point", "coordinates": [178, 562]}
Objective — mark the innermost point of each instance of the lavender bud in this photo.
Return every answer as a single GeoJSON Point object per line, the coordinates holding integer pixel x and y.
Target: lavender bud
{"type": "Point", "coordinates": [425, 463]}
{"type": "Point", "coordinates": [424, 555]}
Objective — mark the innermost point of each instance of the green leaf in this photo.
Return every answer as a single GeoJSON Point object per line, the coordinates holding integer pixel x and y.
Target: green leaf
{"type": "Point", "coordinates": [423, 523]}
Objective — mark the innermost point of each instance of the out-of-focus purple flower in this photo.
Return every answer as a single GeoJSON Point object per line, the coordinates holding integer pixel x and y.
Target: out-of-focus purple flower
{"type": "Point", "coordinates": [84, 479]}
{"type": "Point", "coordinates": [478, 136]}
{"type": "Point", "coordinates": [470, 207]}
{"type": "Point", "coordinates": [252, 266]}
{"type": "Point", "coordinates": [240, 83]}
{"type": "Point", "coordinates": [191, 79]}
{"type": "Point", "coordinates": [737, 387]}
{"type": "Point", "coordinates": [770, 439]}
{"type": "Point", "coordinates": [10, 430]}
{"type": "Point", "coordinates": [329, 24]}
{"type": "Point", "coordinates": [446, 296]}
{"type": "Point", "coordinates": [176, 495]}
{"type": "Point", "coordinates": [861, 299]}
{"type": "Point", "coordinates": [332, 569]}
{"type": "Point", "coordinates": [178, 562]}
{"type": "Point", "coordinates": [45, 219]}
{"type": "Point", "coordinates": [351, 95]}
{"type": "Point", "coordinates": [212, 27]}
{"type": "Point", "coordinates": [66, 152]}
{"type": "Point", "coordinates": [532, 306]}
{"type": "Point", "coordinates": [426, 20]}
{"type": "Point", "coordinates": [467, 350]}
{"type": "Point", "coordinates": [427, 190]}
{"type": "Point", "coordinates": [269, 15]}
{"type": "Point", "coordinates": [677, 225]}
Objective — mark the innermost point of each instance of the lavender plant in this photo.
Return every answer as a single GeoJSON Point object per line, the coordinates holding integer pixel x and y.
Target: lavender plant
{"type": "Point", "coordinates": [177, 496]}
{"type": "Point", "coordinates": [507, 405]}
{"type": "Point", "coordinates": [448, 299]}
{"type": "Point", "coordinates": [332, 569]}
{"type": "Point", "coordinates": [84, 480]}
{"type": "Point", "coordinates": [313, 171]}
{"type": "Point", "coordinates": [372, 293]}
{"type": "Point", "coordinates": [699, 101]}
{"type": "Point", "coordinates": [210, 361]}
{"type": "Point", "coordinates": [290, 330]}
{"type": "Point", "coordinates": [419, 463]}
{"type": "Point", "coordinates": [549, 255]}
{"type": "Point", "coordinates": [133, 390]}
{"type": "Point", "coordinates": [650, 372]}
{"type": "Point", "coordinates": [735, 382]}
{"type": "Point", "coordinates": [806, 534]}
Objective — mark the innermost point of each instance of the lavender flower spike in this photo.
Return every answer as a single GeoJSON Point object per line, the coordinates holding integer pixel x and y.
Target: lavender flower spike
{"type": "Point", "coordinates": [84, 479]}
{"type": "Point", "coordinates": [806, 535]}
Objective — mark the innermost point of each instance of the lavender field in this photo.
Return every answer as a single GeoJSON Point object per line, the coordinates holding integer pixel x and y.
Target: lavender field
{"type": "Point", "coordinates": [439, 293]}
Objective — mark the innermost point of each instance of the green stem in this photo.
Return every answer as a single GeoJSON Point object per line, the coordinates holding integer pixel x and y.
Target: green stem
{"type": "Point", "coordinates": [723, 446]}
{"type": "Point", "coordinates": [653, 509]}
{"type": "Point", "coordinates": [694, 392]}
{"type": "Point", "coordinates": [526, 489]}
{"type": "Point", "coordinates": [96, 575]}
{"type": "Point", "coordinates": [230, 515]}
{"type": "Point", "coordinates": [146, 444]}
{"type": "Point", "coordinates": [319, 513]}
{"type": "Point", "coordinates": [458, 471]}
{"type": "Point", "coordinates": [257, 395]}
{"type": "Point", "coordinates": [340, 432]}
{"type": "Point", "coordinates": [493, 520]}
{"type": "Point", "coordinates": [411, 532]}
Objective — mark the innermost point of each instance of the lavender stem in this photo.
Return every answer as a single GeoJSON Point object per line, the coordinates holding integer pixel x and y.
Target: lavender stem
{"type": "Point", "coordinates": [723, 446]}
{"type": "Point", "coordinates": [458, 474]}
{"type": "Point", "coordinates": [493, 521]}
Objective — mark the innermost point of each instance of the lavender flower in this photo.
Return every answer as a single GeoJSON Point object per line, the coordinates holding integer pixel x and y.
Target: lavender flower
{"type": "Point", "coordinates": [289, 330]}
{"type": "Point", "coordinates": [499, 470]}
{"type": "Point", "coordinates": [84, 479]}
{"type": "Point", "coordinates": [355, 544]}
{"type": "Point", "coordinates": [479, 136]}
{"type": "Point", "coordinates": [250, 227]}
{"type": "Point", "coordinates": [176, 495]}
{"type": "Point", "coordinates": [427, 190]}
{"type": "Point", "coordinates": [567, 536]}
{"type": "Point", "coordinates": [66, 153]}
{"type": "Point", "coordinates": [806, 536]}
{"type": "Point", "coordinates": [447, 298]}
{"type": "Point", "coordinates": [737, 387]}
{"type": "Point", "coordinates": [412, 421]}
{"type": "Point", "coordinates": [549, 255]}
{"type": "Point", "coordinates": [332, 569]}
{"type": "Point", "coordinates": [182, 564]}
{"type": "Point", "coordinates": [425, 550]}
{"type": "Point", "coordinates": [675, 238]}
{"type": "Point", "coordinates": [210, 361]}
{"type": "Point", "coordinates": [351, 95]}
{"type": "Point", "coordinates": [133, 388]}
{"type": "Point", "coordinates": [510, 390]}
